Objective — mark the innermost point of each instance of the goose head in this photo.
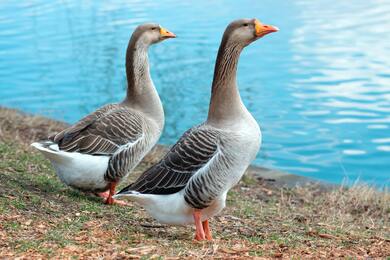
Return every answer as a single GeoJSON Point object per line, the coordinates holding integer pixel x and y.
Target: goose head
{"type": "Point", "coordinates": [245, 31]}
{"type": "Point", "coordinates": [151, 33]}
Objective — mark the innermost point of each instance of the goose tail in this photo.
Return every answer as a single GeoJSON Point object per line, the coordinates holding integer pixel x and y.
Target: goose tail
{"type": "Point", "coordinates": [51, 151]}
{"type": "Point", "coordinates": [135, 196]}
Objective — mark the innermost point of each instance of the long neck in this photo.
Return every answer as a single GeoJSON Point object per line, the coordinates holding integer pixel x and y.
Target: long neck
{"type": "Point", "coordinates": [137, 69]}
{"type": "Point", "coordinates": [225, 104]}
{"type": "Point", "coordinates": [141, 93]}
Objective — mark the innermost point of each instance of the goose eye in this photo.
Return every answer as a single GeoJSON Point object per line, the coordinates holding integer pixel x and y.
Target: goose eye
{"type": "Point", "coordinates": [245, 24]}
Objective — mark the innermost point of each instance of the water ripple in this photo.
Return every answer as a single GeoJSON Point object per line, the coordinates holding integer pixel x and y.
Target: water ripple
{"type": "Point", "coordinates": [320, 87]}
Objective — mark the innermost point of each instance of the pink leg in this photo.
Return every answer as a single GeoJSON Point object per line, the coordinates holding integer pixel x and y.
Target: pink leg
{"type": "Point", "coordinates": [111, 191]}
{"type": "Point", "coordinates": [207, 230]}
{"type": "Point", "coordinates": [107, 195]}
{"type": "Point", "coordinates": [199, 232]}
{"type": "Point", "coordinates": [103, 195]}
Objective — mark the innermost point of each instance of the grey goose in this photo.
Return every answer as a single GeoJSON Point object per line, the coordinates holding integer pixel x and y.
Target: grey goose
{"type": "Point", "coordinates": [99, 151]}
{"type": "Point", "coordinates": [189, 185]}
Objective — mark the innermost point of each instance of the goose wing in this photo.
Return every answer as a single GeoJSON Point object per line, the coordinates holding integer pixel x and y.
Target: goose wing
{"type": "Point", "coordinates": [103, 132]}
{"type": "Point", "coordinates": [84, 122]}
{"type": "Point", "coordinates": [193, 151]}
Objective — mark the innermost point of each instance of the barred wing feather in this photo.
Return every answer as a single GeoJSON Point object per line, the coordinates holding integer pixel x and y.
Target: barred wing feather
{"type": "Point", "coordinates": [193, 151]}
{"type": "Point", "coordinates": [102, 133]}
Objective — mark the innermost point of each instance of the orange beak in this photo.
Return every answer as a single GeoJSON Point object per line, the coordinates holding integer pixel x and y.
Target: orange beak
{"type": "Point", "coordinates": [165, 34]}
{"type": "Point", "coordinates": [263, 29]}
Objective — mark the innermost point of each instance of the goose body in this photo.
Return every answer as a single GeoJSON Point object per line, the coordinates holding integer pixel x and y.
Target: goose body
{"type": "Point", "coordinates": [102, 148]}
{"type": "Point", "coordinates": [222, 167]}
{"type": "Point", "coordinates": [86, 167]}
{"type": "Point", "coordinates": [189, 185]}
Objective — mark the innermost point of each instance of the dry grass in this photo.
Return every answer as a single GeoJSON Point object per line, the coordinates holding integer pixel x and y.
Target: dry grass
{"type": "Point", "coordinates": [42, 218]}
{"type": "Point", "coordinates": [24, 128]}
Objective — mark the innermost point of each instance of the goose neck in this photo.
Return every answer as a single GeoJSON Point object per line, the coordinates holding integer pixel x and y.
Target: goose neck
{"type": "Point", "coordinates": [137, 70]}
{"type": "Point", "coordinates": [141, 93]}
{"type": "Point", "coordinates": [225, 104]}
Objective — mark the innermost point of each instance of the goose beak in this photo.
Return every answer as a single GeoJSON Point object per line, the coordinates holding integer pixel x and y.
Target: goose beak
{"type": "Point", "coordinates": [165, 34]}
{"type": "Point", "coordinates": [263, 29]}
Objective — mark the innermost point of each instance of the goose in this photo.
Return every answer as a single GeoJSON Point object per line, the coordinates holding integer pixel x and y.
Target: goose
{"type": "Point", "coordinates": [100, 150]}
{"type": "Point", "coordinates": [189, 184]}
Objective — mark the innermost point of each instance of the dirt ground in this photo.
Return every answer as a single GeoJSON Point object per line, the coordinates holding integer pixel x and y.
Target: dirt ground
{"type": "Point", "coordinates": [42, 218]}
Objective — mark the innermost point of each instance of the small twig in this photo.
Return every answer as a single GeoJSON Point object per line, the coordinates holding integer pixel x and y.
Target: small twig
{"type": "Point", "coordinates": [152, 226]}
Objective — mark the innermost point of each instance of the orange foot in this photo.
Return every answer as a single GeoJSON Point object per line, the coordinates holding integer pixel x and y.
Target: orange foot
{"type": "Point", "coordinates": [103, 195]}
{"type": "Point", "coordinates": [107, 195]}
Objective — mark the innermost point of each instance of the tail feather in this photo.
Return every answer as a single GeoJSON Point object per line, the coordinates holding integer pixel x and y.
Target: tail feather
{"type": "Point", "coordinates": [51, 151]}
{"type": "Point", "coordinates": [135, 196]}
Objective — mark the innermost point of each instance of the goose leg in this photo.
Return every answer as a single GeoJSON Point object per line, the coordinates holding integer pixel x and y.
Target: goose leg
{"type": "Point", "coordinates": [207, 230]}
{"type": "Point", "coordinates": [103, 195]}
{"type": "Point", "coordinates": [111, 192]}
{"type": "Point", "coordinates": [199, 232]}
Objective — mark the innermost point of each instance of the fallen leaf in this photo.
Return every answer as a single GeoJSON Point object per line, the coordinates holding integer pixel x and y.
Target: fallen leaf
{"type": "Point", "coordinates": [278, 255]}
{"type": "Point", "coordinates": [327, 236]}
{"type": "Point", "coordinates": [228, 251]}
{"type": "Point", "coordinates": [41, 226]}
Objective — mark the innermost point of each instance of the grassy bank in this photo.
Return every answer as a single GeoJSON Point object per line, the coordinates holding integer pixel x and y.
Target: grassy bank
{"type": "Point", "coordinates": [41, 217]}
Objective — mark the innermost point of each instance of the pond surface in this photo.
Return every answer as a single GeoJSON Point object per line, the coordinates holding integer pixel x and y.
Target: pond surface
{"type": "Point", "coordinates": [320, 88]}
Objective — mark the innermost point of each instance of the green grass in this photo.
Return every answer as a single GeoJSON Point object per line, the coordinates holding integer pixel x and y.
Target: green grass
{"type": "Point", "coordinates": [40, 217]}
{"type": "Point", "coordinates": [52, 217]}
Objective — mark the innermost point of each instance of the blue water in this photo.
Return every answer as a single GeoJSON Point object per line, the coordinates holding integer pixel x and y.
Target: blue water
{"type": "Point", "coordinates": [320, 88]}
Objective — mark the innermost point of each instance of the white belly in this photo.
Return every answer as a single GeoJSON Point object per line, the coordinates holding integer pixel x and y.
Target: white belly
{"type": "Point", "coordinates": [81, 171]}
{"type": "Point", "coordinates": [172, 209]}
{"type": "Point", "coordinates": [84, 172]}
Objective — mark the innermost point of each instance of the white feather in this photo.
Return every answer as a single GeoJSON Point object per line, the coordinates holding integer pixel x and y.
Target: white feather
{"type": "Point", "coordinates": [81, 171]}
{"type": "Point", "coordinates": [172, 209]}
